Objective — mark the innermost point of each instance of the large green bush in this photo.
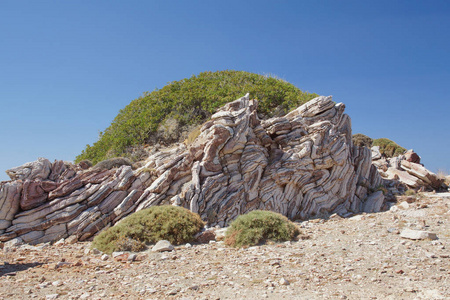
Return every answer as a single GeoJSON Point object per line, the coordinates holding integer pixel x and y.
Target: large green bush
{"type": "Point", "coordinates": [166, 222]}
{"type": "Point", "coordinates": [258, 227]}
{"type": "Point", "coordinates": [185, 103]}
{"type": "Point", "coordinates": [388, 148]}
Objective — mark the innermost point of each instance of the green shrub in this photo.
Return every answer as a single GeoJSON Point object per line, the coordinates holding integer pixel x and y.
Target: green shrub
{"type": "Point", "coordinates": [362, 140]}
{"type": "Point", "coordinates": [188, 102]}
{"type": "Point", "coordinates": [258, 227]}
{"type": "Point", "coordinates": [166, 222]}
{"type": "Point", "coordinates": [388, 148]}
{"type": "Point", "coordinates": [410, 192]}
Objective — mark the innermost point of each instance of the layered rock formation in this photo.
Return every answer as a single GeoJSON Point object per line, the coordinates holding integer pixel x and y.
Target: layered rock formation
{"type": "Point", "coordinates": [301, 165]}
{"type": "Point", "coordinates": [408, 170]}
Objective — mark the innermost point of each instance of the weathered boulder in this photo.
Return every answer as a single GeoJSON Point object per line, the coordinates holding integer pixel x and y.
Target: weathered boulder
{"type": "Point", "coordinates": [39, 169]}
{"type": "Point", "coordinates": [422, 173]}
{"type": "Point", "coordinates": [301, 165]}
{"type": "Point", "coordinates": [376, 154]}
{"type": "Point", "coordinates": [412, 156]}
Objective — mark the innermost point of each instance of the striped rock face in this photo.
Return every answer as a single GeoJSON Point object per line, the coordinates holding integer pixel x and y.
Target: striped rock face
{"type": "Point", "coordinates": [301, 165]}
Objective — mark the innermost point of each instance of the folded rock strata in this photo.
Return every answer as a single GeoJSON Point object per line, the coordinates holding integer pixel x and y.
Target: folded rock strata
{"type": "Point", "coordinates": [301, 165]}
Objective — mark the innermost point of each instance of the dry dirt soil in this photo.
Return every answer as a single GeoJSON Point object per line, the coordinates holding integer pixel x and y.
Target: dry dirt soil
{"type": "Point", "coordinates": [362, 257]}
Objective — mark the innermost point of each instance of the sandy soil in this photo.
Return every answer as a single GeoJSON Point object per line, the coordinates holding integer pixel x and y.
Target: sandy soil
{"type": "Point", "coordinates": [363, 257]}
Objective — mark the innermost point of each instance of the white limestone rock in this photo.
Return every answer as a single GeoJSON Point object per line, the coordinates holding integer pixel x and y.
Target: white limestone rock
{"type": "Point", "coordinates": [417, 234]}
{"type": "Point", "coordinates": [162, 246]}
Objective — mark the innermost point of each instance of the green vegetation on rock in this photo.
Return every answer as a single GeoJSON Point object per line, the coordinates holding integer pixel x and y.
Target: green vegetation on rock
{"type": "Point", "coordinates": [166, 222]}
{"type": "Point", "coordinates": [388, 148]}
{"type": "Point", "coordinates": [258, 227]}
{"type": "Point", "coordinates": [362, 140]}
{"type": "Point", "coordinates": [167, 115]}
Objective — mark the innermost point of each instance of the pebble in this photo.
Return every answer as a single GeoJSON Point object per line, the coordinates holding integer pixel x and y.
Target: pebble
{"type": "Point", "coordinates": [132, 257]}
{"type": "Point", "coordinates": [284, 281]}
{"type": "Point", "coordinates": [51, 296]}
{"type": "Point", "coordinates": [60, 242]}
{"type": "Point", "coordinates": [105, 257]}
{"type": "Point", "coordinates": [95, 251]}
{"type": "Point", "coordinates": [174, 291]}
{"type": "Point", "coordinates": [404, 205]}
{"type": "Point", "coordinates": [57, 283]}
{"type": "Point", "coordinates": [115, 254]}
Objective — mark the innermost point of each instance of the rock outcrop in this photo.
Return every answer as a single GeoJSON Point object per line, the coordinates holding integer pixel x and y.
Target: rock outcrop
{"type": "Point", "coordinates": [407, 170]}
{"type": "Point", "coordinates": [301, 165]}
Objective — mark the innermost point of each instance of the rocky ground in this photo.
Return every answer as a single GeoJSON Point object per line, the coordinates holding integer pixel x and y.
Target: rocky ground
{"type": "Point", "coordinates": [362, 257]}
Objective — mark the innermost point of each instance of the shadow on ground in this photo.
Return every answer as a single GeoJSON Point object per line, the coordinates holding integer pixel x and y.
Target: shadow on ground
{"type": "Point", "coordinates": [12, 269]}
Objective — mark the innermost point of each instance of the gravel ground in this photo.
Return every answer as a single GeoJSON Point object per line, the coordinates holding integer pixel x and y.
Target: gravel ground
{"type": "Point", "coordinates": [363, 257]}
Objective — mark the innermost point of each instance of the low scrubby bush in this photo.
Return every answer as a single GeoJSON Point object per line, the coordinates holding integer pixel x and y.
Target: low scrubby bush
{"type": "Point", "coordinates": [362, 140]}
{"type": "Point", "coordinates": [258, 227]}
{"type": "Point", "coordinates": [111, 163]}
{"type": "Point", "coordinates": [166, 222]}
{"type": "Point", "coordinates": [388, 148]}
{"type": "Point", "coordinates": [162, 115]}
{"type": "Point", "coordinates": [410, 192]}
{"type": "Point", "coordinates": [85, 164]}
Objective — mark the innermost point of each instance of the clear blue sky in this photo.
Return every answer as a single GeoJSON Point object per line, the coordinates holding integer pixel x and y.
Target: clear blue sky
{"type": "Point", "coordinates": [68, 67]}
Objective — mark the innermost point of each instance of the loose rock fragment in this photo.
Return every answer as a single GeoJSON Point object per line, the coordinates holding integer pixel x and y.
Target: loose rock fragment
{"type": "Point", "coordinates": [162, 246]}
{"type": "Point", "coordinates": [417, 234]}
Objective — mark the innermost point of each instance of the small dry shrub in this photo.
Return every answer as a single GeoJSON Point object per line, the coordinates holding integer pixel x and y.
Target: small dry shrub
{"type": "Point", "coordinates": [111, 163]}
{"type": "Point", "coordinates": [85, 164]}
{"type": "Point", "coordinates": [443, 175]}
{"type": "Point", "coordinates": [388, 148]}
{"type": "Point", "coordinates": [362, 140]}
{"type": "Point", "coordinates": [410, 192]}
{"type": "Point", "coordinates": [166, 222]}
{"type": "Point", "coordinates": [193, 135]}
{"type": "Point", "coordinates": [258, 227]}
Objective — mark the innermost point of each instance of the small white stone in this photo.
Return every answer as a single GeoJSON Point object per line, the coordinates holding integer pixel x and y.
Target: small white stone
{"type": "Point", "coordinates": [132, 257]}
{"type": "Point", "coordinates": [393, 209]}
{"type": "Point", "coordinates": [51, 296]}
{"type": "Point", "coordinates": [284, 281]}
{"type": "Point", "coordinates": [404, 205]}
{"type": "Point", "coordinates": [417, 234]}
{"type": "Point", "coordinates": [115, 254]}
{"type": "Point", "coordinates": [60, 242]}
{"type": "Point", "coordinates": [105, 257]}
{"type": "Point", "coordinates": [57, 283]}
{"type": "Point", "coordinates": [162, 245]}
{"type": "Point", "coordinates": [188, 245]}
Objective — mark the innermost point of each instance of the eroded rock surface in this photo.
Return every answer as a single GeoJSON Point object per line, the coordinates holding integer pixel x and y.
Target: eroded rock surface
{"type": "Point", "coordinates": [407, 170]}
{"type": "Point", "coordinates": [301, 165]}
